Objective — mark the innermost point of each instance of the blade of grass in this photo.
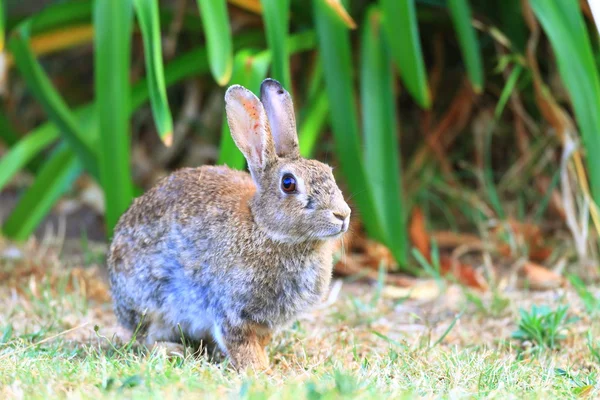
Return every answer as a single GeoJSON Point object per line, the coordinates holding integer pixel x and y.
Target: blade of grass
{"type": "Point", "coordinates": [334, 47]}
{"type": "Point", "coordinates": [566, 29]}
{"type": "Point", "coordinates": [217, 31]}
{"type": "Point", "coordinates": [511, 82]}
{"type": "Point", "coordinates": [147, 15]}
{"type": "Point", "coordinates": [112, 47]}
{"type": "Point", "coordinates": [447, 331]}
{"type": "Point", "coordinates": [55, 177]}
{"type": "Point", "coordinates": [50, 99]}
{"type": "Point", "coordinates": [380, 131]}
{"type": "Point", "coordinates": [276, 19]}
{"type": "Point", "coordinates": [467, 38]}
{"type": "Point", "coordinates": [400, 24]}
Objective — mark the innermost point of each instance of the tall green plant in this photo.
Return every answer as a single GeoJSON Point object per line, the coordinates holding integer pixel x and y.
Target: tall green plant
{"type": "Point", "coordinates": [112, 43]}
{"type": "Point", "coordinates": [380, 130]}
{"type": "Point", "coordinates": [334, 47]}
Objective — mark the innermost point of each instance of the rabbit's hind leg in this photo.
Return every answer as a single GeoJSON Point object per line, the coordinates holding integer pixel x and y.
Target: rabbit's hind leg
{"type": "Point", "coordinates": [162, 337]}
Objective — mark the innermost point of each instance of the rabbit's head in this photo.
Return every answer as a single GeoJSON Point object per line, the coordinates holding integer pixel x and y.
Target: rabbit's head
{"type": "Point", "coordinates": [296, 199]}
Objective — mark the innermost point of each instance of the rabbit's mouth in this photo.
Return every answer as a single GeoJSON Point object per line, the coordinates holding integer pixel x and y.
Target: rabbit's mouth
{"type": "Point", "coordinates": [337, 234]}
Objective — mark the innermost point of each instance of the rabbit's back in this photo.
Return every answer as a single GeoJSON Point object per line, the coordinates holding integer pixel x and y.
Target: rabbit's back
{"type": "Point", "coordinates": [163, 248]}
{"type": "Point", "coordinates": [209, 196]}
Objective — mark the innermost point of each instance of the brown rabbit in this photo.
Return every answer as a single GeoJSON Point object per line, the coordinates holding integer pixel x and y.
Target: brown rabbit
{"type": "Point", "coordinates": [219, 253]}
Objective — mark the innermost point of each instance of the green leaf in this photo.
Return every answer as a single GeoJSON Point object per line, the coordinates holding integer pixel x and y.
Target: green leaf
{"type": "Point", "coordinates": [218, 38]}
{"type": "Point", "coordinates": [276, 19]}
{"type": "Point", "coordinates": [24, 151]}
{"type": "Point", "coordinates": [313, 124]}
{"type": "Point", "coordinates": [50, 99]}
{"type": "Point", "coordinates": [315, 114]}
{"type": "Point", "coordinates": [54, 178]}
{"type": "Point", "coordinates": [402, 31]}
{"type": "Point", "coordinates": [563, 23]}
{"type": "Point", "coordinates": [380, 130]}
{"type": "Point", "coordinates": [467, 38]}
{"type": "Point", "coordinates": [61, 15]}
{"type": "Point", "coordinates": [334, 47]}
{"type": "Point", "coordinates": [112, 47]}
{"type": "Point", "coordinates": [7, 133]}
{"type": "Point", "coordinates": [147, 15]}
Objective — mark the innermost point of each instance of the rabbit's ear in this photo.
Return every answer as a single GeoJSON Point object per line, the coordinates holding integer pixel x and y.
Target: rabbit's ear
{"type": "Point", "coordinates": [249, 128]}
{"type": "Point", "coordinates": [280, 111]}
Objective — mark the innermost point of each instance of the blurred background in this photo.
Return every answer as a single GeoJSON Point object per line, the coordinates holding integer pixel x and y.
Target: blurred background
{"type": "Point", "coordinates": [466, 133]}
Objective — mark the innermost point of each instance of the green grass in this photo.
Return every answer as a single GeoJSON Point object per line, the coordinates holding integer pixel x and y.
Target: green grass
{"type": "Point", "coordinates": [368, 344]}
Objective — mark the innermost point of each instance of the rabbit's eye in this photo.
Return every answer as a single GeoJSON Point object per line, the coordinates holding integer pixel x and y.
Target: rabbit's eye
{"type": "Point", "coordinates": [288, 183]}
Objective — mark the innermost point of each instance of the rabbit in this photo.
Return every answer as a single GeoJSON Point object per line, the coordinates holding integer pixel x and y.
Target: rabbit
{"type": "Point", "coordinates": [215, 253]}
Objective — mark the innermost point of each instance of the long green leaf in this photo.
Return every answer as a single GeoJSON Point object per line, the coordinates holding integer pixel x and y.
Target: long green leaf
{"type": "Point", "coordinates": [50, 99]}
{"type": "Point", "coordinates": [380, 130]}
{"type": "Point", "coordinates": [55, 177]}
{"type": "Point", "coordinates": [23, 152]}
{"type": "Point", "coordinates": [334, 47]}
{"type": "Point", "coordinates": [313, 124]}
{"type": "Point", "coordinates": [315, 115]}
{"type": "Point", "coordinates": [467, 37]}
{"type": "Point", "coordinates": [7, 133]}
{"type": "Point", "coordinates": [218, 38]}
{"type": "Point", "coordinates": [563, 23]}
{"type": "Point", "coordinates": [112, 46]}
{"type": "Point", "coordinates": [60, 15]}
{"type": "Point", "coordinates": [276, 18]}
{"type": "Point", "coordinates": [400, 24]}
{"type": "Point", "coordinates": [147, 15]}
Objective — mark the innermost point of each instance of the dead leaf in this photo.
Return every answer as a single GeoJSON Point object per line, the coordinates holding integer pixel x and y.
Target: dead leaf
{"type": "Point", "coordinates": [537, 277]}
{"type": "Point", "coordinates": [452, 240]}
{"type": "Point", "coordinates": [349, 267]}
{"type": "Point", "coordinates": [464, 273]}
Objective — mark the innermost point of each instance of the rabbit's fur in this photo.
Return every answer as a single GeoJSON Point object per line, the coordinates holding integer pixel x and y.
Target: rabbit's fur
{"type": "Point", "coordinates": [220, 253]}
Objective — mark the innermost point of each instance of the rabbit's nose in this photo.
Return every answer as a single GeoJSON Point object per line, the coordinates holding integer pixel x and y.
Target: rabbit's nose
{"type": "Point", "coordinates": [339, 215]}
{"type": "Point", "coordinates": [342, 214]}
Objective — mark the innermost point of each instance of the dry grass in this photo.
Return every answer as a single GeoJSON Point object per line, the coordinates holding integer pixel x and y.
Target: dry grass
{"type": "Point", "coordinates": [373, 341]}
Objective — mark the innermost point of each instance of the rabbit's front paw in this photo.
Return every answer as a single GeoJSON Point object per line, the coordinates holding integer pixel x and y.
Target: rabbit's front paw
{"type": "Point", "coordinates": [246, 348]}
